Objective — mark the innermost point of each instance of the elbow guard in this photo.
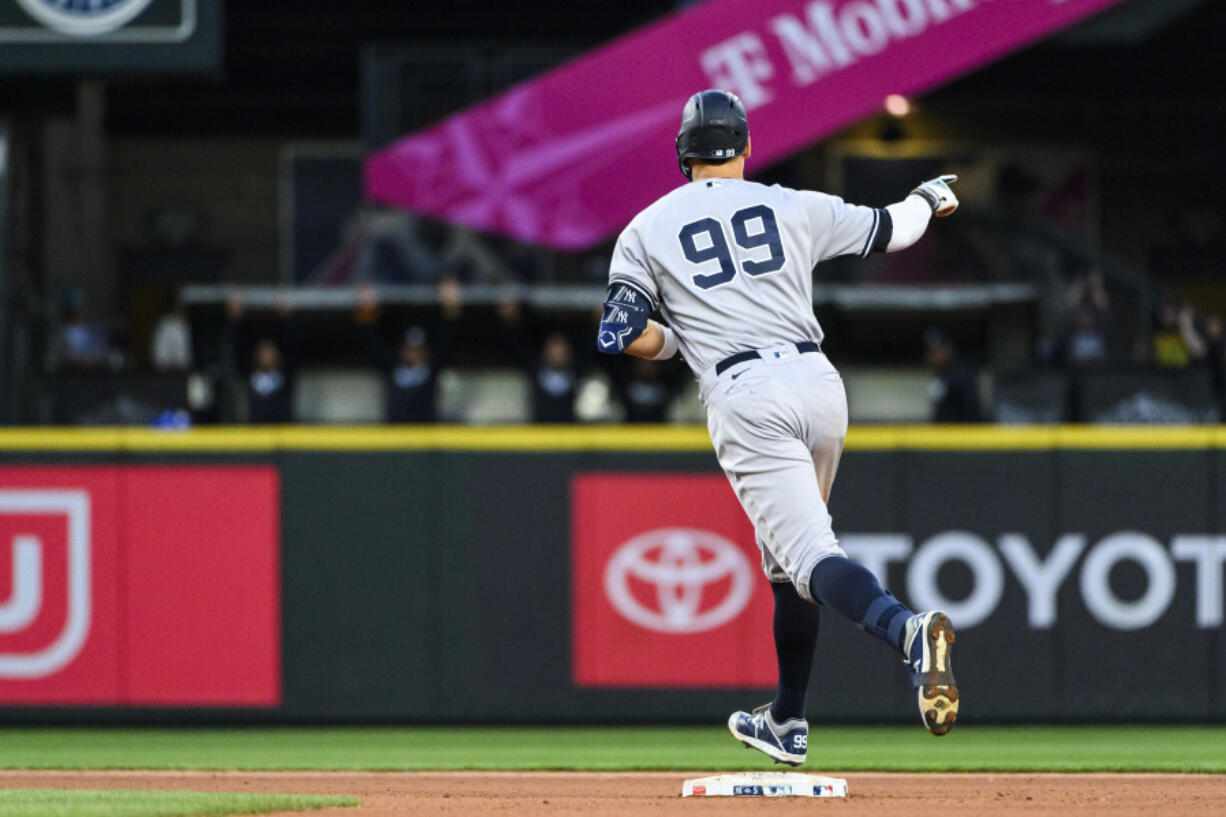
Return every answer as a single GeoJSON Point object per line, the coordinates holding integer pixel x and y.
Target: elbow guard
{"type": "Point", "coordinates": [625, 318]}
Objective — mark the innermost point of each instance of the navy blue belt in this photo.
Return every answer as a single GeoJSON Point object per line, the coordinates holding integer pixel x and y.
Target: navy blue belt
{"type": "Point", "coordinates": [740, 357]}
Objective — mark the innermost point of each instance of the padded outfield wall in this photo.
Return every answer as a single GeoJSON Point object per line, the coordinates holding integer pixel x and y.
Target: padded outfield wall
{"type": "Point", "coordinates": [521, 574]}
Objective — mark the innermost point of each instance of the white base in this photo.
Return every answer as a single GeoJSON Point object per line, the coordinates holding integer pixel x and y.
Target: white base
{"type": "Point", "coordinates": [765, 784]}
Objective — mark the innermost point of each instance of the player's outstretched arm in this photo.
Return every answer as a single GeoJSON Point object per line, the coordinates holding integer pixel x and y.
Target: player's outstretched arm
{"type": "Point", "coordinates": [910, 217]}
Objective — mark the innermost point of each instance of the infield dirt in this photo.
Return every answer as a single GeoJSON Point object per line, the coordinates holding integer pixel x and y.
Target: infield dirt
{"type": "Point", "coordinates": [393, 794]}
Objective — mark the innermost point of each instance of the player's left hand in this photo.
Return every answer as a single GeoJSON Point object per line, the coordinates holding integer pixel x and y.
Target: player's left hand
{"type": "Point", "coordinates": [939, 196]}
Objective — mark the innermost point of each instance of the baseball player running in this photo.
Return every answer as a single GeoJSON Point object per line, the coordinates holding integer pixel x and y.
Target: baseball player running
{"type": "Point", "coordinates": [729, 264]}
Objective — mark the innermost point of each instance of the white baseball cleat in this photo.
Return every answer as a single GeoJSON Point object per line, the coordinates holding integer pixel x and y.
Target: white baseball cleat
{"type": "Point", "coordinates": [928, 645]}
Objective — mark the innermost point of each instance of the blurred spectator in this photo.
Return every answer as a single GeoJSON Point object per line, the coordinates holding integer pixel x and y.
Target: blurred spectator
{"type": "Point", "coordinates": [78, 344]}
{"type": "Point", "coordinates": [1087, 291]}
{"type": "Point", "coordinates": [269, 386]}
{"type": "Point", "coordinates": [171, 347]}
{"type": "Point", "coordinates": [553, 372]}
{"type": "Point", "coordinates": [1176, 343]}
{"type": "Point", "coordinates": [954, 392]}
{"type": "Point", "coordinates": [1086, 344]}
{"type": "Point", "coordinates": [1084, 341]}
{"type": "Point", "coordinates": [267, 365]}
{"type": "Point", "coordinates": [646, 388]}
{"type": "Point", "coordinates": [412, 368]}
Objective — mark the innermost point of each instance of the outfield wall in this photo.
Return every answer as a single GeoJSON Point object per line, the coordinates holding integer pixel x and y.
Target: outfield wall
{"type": "Point", "coordinates": [581, 573]}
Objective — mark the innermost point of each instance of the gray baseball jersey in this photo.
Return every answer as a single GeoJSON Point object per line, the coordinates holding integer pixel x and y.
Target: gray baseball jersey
{"type": "Point", "coordinates": [731, 261]}
{"type": "Point", "coordinates": [730, 264]}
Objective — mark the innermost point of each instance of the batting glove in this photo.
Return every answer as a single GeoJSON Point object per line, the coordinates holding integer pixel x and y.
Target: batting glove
{"type": "Point", "coordinates": [938, 195]}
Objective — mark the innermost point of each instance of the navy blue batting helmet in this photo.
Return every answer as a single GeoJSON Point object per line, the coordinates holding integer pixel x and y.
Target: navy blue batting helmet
{"type": "Point", "coordinates": [713, 126]}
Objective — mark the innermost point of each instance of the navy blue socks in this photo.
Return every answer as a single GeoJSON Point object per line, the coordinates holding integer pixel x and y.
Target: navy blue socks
{"type": "Point", "coordinates": [796, 623]}
{"type": "Point", "coordinates": [851, 590]}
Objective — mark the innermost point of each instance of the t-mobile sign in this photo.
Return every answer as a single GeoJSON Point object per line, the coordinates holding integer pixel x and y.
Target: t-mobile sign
{"type": "Point", "coordinates": [543, 163]}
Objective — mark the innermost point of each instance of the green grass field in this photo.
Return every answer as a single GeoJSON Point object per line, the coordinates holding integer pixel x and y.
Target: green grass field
{"type": "Point", "coordinates": [969, 748]}
{"type": "Point", "coordinates": [123, 803]}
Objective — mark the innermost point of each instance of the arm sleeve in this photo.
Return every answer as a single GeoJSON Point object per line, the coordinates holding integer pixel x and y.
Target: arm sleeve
{"type": "Point", "coordinates": [629, 266]}
{"type": "Point", "coordinates": [909, 219]}
{"type": "Point", "coordinates": [840, 228]}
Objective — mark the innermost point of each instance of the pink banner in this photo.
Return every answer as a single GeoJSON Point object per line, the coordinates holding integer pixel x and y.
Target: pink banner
{"type": "Point", "coordinates": [568, 158]}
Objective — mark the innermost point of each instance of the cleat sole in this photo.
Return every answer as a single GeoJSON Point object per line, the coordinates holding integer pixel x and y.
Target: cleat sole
{"type": "Point", "coordinates": [938, 692]}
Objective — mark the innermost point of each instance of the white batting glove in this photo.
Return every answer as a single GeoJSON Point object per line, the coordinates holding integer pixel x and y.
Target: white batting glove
{"type": "Point", "coordinates": [938, 195]}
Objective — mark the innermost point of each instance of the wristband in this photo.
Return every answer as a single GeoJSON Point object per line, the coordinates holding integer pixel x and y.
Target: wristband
{"type": "Point", "coordinates": [670, 343]}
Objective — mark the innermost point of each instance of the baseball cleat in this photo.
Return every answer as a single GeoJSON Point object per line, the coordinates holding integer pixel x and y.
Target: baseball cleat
{"type": "Point", "coordinates": [929, 640]}
{"type": "Point", "coordinates": [786, 742]}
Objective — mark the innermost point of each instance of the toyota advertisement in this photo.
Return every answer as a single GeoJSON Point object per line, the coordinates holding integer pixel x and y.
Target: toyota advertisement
{"type": "Point", "coordinates": [1078, 597]}
{"type": "Point", "coordinates": [139, 586]}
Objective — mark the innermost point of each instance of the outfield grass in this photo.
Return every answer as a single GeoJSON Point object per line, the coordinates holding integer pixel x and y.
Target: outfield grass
{"type": "Point", "coordinates": [969, 748]}
{"type": "Point", "coordinates": [122, 803]}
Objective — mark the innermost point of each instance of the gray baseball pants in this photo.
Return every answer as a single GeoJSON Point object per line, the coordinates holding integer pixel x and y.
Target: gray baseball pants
{"type": "Point", "coordinates": [778, 426]}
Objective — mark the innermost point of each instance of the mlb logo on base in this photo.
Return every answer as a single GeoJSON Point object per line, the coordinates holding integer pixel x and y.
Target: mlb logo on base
{"type": "Point", "coordinates": [669, 595]}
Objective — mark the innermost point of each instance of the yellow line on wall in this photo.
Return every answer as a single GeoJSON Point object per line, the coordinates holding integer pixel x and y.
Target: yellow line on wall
{"type": "Point", "coordinates": [1013, 438]}
{"type": "Point", "coordinates": [592, 438]}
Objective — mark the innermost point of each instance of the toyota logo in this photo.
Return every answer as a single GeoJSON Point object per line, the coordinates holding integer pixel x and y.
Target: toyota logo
{"type": "Point", "coordinates": [679, 580]}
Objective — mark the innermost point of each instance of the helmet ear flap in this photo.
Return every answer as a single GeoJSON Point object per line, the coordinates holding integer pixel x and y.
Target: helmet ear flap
{"type": "Point", "coordinates": [683, 139]}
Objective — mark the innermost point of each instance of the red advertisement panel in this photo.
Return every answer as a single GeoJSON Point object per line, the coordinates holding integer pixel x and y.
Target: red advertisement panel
{"type": "Point", "coordinates": [60, 574]}
{"type": "Point", "coordinates": [204, 623]}
{"type": "Point", "coordinates": [667, 590]}
{"type": "Point", "coordinates": [143, 586]}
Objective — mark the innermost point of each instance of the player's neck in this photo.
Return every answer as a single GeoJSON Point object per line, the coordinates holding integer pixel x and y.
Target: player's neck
{"type": "Point", "coordinates": [729, 170]}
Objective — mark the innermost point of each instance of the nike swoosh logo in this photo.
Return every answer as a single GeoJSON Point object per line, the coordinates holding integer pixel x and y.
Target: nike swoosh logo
{"type": "Point", "coordinates": [738, 374]}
